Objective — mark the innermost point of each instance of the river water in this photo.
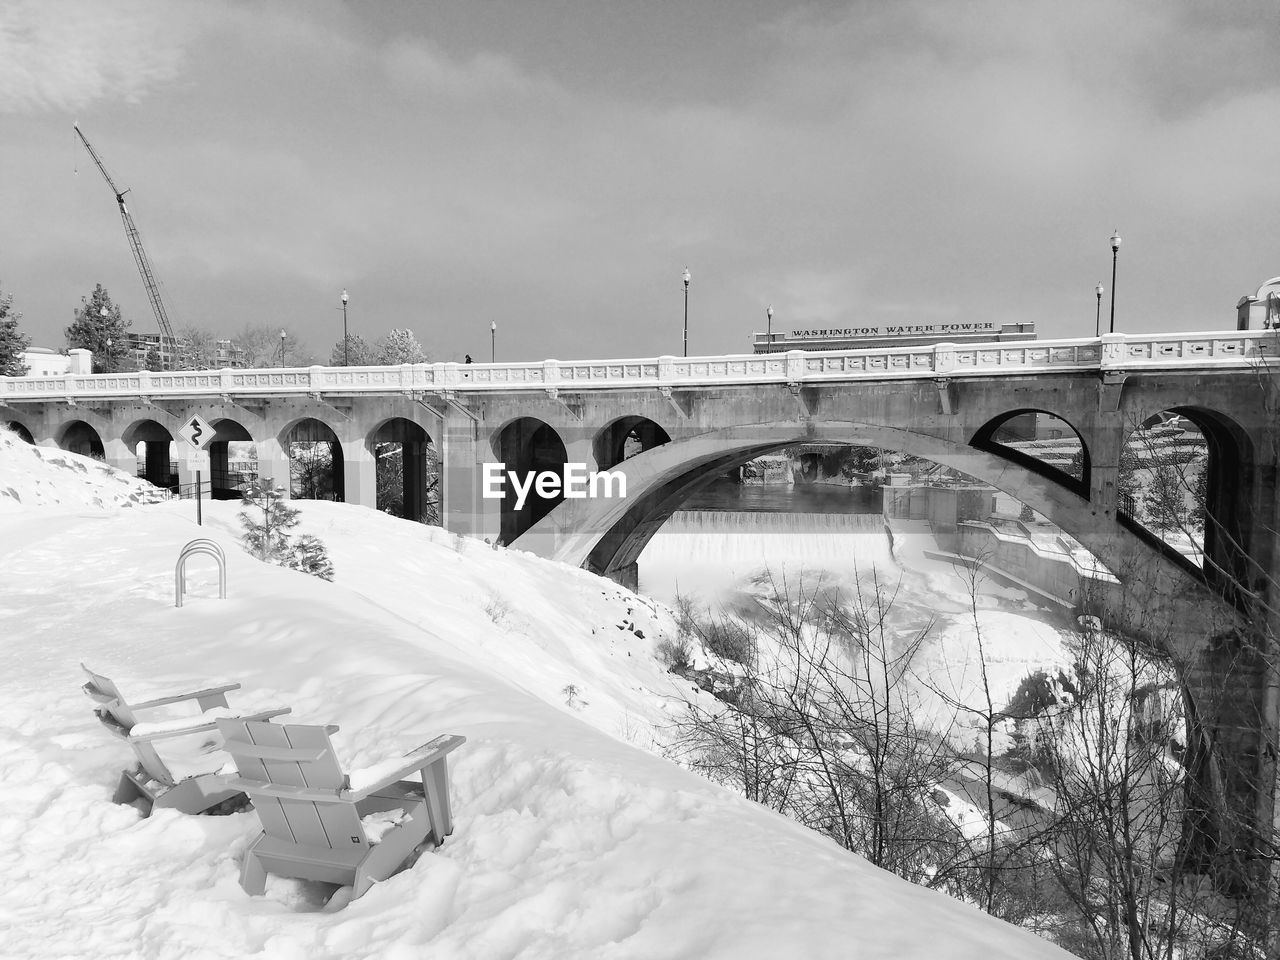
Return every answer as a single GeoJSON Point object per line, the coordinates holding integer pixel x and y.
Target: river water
{"type": "Point", "coordinates": [785, 498]}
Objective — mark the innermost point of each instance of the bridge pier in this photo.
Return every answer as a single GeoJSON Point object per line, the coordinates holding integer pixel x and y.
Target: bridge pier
{"type": "Point", "coordinates": [273, 463]}
{"type": "Point", "coordinates": [462, 508]}
{"type": "Point", "coordinates": [156, 469]}
{"type": "Point", "coordinates": [359, 474]}
{"type": "Point", "coordinates": [117, 453]}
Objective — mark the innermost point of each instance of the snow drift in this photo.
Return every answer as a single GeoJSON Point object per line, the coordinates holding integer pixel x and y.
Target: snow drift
{"type": "Point", "coordinates": [571, 840]}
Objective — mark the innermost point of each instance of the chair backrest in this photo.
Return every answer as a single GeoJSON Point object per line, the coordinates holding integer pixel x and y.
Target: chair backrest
{"type": "Point", "coordinates": [107, 695]}
{"type": "Point", "coordinates": [294, 755]}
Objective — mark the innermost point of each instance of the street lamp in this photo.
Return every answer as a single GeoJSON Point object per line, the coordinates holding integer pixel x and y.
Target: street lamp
{"type": "Point", "coordinates": [1115, 249]}
{"type": "Point", "coordinates": [282, 348]}
{"type": "Point", "coordinates": [346, 344]}
{"type": "Point", "coordinates": [769, 330]}
{"type": "Point", "coordinates": [686, 311]}
{"type": "Point", "coordinates": [493, 341]}
{"type": "Point", "coordinates": [1097, 316]}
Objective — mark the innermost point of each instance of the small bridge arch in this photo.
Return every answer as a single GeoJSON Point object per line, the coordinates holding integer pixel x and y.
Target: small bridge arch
{"type": "Point", "coordinates": [527, 446]}
{"type": "Point", "coordinates": [157, 443]}
{"type": "Point", "coordinates": [315, 460]}
{"type": "Point", "coordinates": [77, 436]}
{"type": "Point", "coordinates": [20, 430]}
{"type": "Point", "coordinates": [405, 460]}
{"type": "Point", "coordinates": [626, 437]}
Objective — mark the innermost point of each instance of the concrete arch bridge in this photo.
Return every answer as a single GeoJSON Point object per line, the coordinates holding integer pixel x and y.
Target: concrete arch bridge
{"type": "Point", "coordinates": [670, 425]}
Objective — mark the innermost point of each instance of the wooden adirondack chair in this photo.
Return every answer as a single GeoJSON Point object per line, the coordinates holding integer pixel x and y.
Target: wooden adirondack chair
{"type": "Point", "coordinates": [316, 825]}
{"type": "Point", "coordinates": [152, 782]}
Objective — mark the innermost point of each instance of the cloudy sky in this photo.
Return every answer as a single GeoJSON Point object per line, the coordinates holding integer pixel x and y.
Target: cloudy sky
{"type": "Point", "coordinates": [553, 165]}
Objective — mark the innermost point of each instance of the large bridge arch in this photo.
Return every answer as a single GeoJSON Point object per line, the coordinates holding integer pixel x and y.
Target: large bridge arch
{"type": "Point", "coordinates": [607, 535]}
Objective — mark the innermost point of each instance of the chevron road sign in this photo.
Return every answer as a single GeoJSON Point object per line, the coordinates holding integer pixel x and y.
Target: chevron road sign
{"type": "Point", "coordinates": [197, 432]}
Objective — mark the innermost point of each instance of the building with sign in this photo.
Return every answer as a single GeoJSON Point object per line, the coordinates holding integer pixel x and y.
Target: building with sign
{"type": "Point", "coordinates": [893, 335]}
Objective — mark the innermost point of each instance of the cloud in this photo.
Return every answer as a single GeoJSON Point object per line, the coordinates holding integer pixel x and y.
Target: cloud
{"type": "Point", "coordinates": [66, 54]}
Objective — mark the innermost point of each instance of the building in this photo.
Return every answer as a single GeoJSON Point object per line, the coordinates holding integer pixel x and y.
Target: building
{"type": "Point", "coordinates": [892, 335]}
{"type": "Point", "coordinates": [175, 355]}
{"type": "Point", "coordinates": [143, 345]}
{"type": "Point", "coordinates": [1262, 310]}
{"type": "Point", "coordinates": [43, 362]}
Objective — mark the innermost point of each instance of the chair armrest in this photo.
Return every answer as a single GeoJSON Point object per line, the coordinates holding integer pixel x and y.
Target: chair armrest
{"type": "Point", "coordinates": [282, 791]}
{"type": "Point", "coordinates": [412, 762]}
{"type": "Point", "coordinates": [197, 725]}
{"type": "Point", "coordinates": [178, 698]}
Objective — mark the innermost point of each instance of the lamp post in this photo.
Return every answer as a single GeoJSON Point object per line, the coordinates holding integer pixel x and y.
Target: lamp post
{"type": "Point", "coordinates": [346, 344]}
{"type": "Point", "coordinates": [493, 341]}
{"type": "Point", "coordinates": [282, 348]}
{"type": "Point", "coordinates": [1097, 316]}
{"type": "Point", "coordinates": [769, 329]}
{"type": "Point", "coordinates": [686, 311]}
{"type": "Point", "coordinates": [1115, 249]}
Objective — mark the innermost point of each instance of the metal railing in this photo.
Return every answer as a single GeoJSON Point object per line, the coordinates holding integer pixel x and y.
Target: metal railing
{"type": "Point", "coordinates": [1112, 352]}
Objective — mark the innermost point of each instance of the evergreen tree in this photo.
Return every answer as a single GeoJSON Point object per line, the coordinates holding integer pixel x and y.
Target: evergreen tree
{"type": "Point", "coordinates": [266, 519]}
{"type": "Point", "coordinates": [12, 343]}
{"type": "Point", "coordinates": [1199, 494]}
{"type": "Point", "coordinates": [1162, 502]}
{"type": "Point", "coordinates": [1075, 466]}
{"type": "Point", "coordinates": [401, 346]}
{"type": "Point", "coordinates": [98, 327]}
{"type": "Point", "coordinates": [358, 353]}
{"type": "Point", "coordinates": [309, 556]}
{"type": "Point", "coordinates": [153, 361]}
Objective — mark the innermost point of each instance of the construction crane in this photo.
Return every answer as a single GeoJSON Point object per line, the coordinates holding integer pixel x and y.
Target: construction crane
{"type": "Point", "coordinates": [135, 241]}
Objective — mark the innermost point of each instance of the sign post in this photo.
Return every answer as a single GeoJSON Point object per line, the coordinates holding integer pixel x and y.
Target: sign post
{"type": "Point", "coordinates": [198, 434]}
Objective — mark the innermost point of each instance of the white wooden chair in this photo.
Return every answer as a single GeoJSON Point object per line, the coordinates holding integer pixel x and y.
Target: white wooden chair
{"type": "Point", "coordinates": [152, 782]}
{"type": "Point", "coordinates": [317, 825]}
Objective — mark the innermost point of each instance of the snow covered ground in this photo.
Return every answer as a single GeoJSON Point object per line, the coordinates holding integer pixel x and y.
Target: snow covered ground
{"type": "Point", "coordinates": [572, 839]}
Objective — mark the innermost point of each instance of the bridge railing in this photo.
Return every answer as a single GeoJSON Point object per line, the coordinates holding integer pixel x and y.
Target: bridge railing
{"type": "Point", "coordinates": [1112, 352]}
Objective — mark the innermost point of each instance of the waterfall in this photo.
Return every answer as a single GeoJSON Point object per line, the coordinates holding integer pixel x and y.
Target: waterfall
{"type": "Point", "coordinates": [714, 552]}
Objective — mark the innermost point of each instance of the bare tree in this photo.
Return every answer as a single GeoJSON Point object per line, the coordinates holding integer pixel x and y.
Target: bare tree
{"type": "Point", "coordinates": [821, 726]}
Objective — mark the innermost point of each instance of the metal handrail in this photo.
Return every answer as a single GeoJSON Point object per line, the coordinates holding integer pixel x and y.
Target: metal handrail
{"type": "Point", "coordinates": [202, 545]}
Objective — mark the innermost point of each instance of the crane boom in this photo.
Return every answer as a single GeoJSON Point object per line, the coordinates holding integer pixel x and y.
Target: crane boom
{"type": "Point", "coordinates": [135, 242]}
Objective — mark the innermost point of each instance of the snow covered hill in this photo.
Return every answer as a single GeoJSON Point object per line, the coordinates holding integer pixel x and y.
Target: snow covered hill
{"type": "Point", "coordinates": [571, 841]}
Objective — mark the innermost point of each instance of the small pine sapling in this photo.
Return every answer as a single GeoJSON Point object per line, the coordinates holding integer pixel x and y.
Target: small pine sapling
{"type": "Point", "coordinates": [266, 519]}
{"type": "Point", "coordinates": [309, 555]}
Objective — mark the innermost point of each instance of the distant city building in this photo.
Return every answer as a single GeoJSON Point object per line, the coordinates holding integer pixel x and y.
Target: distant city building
{"type": "Point", "coordinates": [892, 335]}
{"type": "Point", "coordinates": [43, 362]}
{"type": "Point", "coordinates": [230, 354]}
{"type": "Point", "coordinates": [174, 355]}
{"type": "Point", "coordinates": [140, 346]}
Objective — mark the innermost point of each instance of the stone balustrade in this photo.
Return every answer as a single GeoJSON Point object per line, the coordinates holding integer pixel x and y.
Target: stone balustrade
{"type": "Point", "coordinates": [1111, 353]}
